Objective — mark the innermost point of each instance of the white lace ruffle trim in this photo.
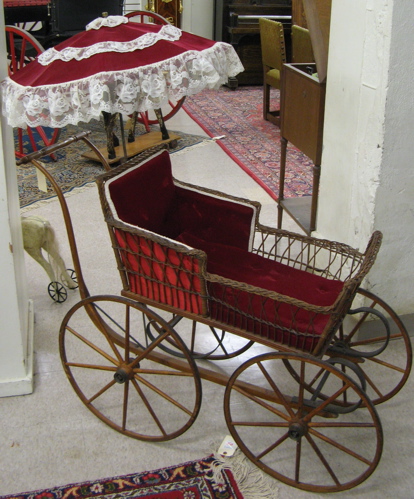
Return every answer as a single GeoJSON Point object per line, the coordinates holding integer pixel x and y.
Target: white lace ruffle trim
{"type": "Point", "coordinates": [109, 22]}
{"type": "Point", "coordinates": [138, 89]}
{"type": "Point", "coordinates": [167, 32]}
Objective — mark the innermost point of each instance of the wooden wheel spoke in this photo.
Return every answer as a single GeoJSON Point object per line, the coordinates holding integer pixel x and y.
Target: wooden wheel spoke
{"type": "Point", "coordinates": [273, 446]}
{"type": "Point", "coordinates": [276, 390]}
{"type": "Point", "coordinates": [338, 424]}
{"type": "Point", "coordinates": [162, 372]}
{"type": "Point", "coordinates": [301, 387]}
{"type": "Point", "coordinates": [266, 424]}
{"type": "Point", "coordinates": [148, 406]}
{"type": "Point", "coordinates": [326, 402]}
{"type": "Point", "coordinates": [376, 339]}
{"type": "Point", "coordinates": [339, 446]}
{"type": "Point", "coordinates": [162, 394]}
{"type": "Point", "coordinates": [100, 392]}
{"type": "Point", "coordinates": [261, 403]}
{"type": "Point", "coordinates": [93, 346]}
{"type": "Point", "coordinates": [322, 459]}
{"type": "Point", "coordinates": [149, 348]}
{"type": "Point", "coordinates": [372, 384]}
{"type": "Point", "coordinates": [297, 460]}
{"type": "Point", "coordinates": [127, 334]}
{"type": "Point", "coordinates": [104, 331]}
{"type": "Point", "coordinates": [125, 406]}
{"type": "Point", "coordinates": [387, 364]}
{"type": "Point", "coordinates": [91, 366]}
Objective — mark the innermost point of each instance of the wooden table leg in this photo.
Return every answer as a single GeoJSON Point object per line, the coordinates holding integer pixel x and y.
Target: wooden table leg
{"type": "Point", "coordinates": [283, 147]}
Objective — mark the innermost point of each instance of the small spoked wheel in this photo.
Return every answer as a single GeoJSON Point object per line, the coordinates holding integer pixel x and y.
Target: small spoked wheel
{"type": "Point", "coordinates": [57, 292]}
{"type": "Point", "coordinates": [385, 361]}
{"type": "Point", "coordinates": [73, 284]}
{"type": "Point", "coordinates": [311, 443]}
{"type": "Point", "coordinates": [123, 376]}
{"type": "Point", "coordinates": [203, 341]}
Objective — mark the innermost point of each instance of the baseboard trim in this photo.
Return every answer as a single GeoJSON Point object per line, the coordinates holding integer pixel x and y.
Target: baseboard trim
{"type": "Point", "coordinates": [23, 386]}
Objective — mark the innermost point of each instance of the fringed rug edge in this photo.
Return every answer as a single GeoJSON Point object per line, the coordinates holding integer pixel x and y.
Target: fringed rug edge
{"type": "Point", "coordinates": [252, 482]}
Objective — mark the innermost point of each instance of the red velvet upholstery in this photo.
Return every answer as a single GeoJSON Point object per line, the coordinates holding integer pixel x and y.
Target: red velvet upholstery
{"type": "Point", "coordinates": [160, 273]}
{"type": "Point", "coordinates": [283, 320]}
{"type": "Point", "coordinates": [146, 196]}
{"type": "Point", "coordinates": [143, 195]}
{"type": "Point", "coordinates": [210, 218]}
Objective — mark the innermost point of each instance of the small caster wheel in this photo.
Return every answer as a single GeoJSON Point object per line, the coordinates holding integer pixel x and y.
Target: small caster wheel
{"type": "Point", "coordinates": [72, 275]}
{"type": "Point", "coordinates": [57, 292]}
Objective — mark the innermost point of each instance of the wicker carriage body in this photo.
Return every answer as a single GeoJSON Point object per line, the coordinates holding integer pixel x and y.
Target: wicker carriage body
{"type": "Point", "coordinates": [204, 255]}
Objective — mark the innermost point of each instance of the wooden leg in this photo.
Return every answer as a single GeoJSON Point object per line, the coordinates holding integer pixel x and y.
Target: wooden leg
{"type": "Point", "coordinates": [283, 147]}
{"type": "Point", "coordinates": [112, 140]}
{"type": "Point", "coordinates": [164, 131]}
{"type": "Point", "coordinates": [131, 131]}
{"type": "Point", "coordinates": [315, 192]}
{"type": "Point", "coordinates": [266, 98]}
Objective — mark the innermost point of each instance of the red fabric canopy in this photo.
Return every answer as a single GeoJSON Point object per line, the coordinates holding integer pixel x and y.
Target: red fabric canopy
{"type": "Point", "coordinates": [123, 68]}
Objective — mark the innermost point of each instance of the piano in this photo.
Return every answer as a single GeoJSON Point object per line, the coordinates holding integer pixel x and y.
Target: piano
{"type": "Point", "coordinates": [237, 22]}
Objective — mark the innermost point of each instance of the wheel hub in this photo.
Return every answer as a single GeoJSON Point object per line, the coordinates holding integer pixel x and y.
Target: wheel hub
{"type": "Point", "coordinates": [122, 375]}
{"type": "Point", "coordinates": [297, 430]}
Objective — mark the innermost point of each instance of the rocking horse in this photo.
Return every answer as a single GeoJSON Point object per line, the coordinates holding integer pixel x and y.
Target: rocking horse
{"type": "Point", "coordinates": [38, 235]}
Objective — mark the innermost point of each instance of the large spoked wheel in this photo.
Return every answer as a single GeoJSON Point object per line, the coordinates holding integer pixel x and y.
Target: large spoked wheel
{"type": "Point", "coordinates": [123, 376]}
{"type": "Point", "coordinates": [23, 48]}
{"type": "Point", "coordinates": [385, 362]}
{"type": "Point", "coordinates": [202, 341]}
{"type": "Point", "coordinates": [302, 440]}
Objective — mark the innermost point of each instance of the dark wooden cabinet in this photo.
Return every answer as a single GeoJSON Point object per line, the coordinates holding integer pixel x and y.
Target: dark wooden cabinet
{"type": "Point", "coordinates": [237, 22]}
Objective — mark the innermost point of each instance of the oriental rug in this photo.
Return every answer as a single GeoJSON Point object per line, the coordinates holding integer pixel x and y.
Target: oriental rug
{"type": "Point", "coordinates": [71, 170]}
{"type": "Point", "coordinates": [253, 143]}
{"type": "Point", "coordinates": [192, 480]}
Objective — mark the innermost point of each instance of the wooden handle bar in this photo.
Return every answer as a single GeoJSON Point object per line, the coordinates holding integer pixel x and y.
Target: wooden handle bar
{"type": "Point", "coordinates": [52, 148]}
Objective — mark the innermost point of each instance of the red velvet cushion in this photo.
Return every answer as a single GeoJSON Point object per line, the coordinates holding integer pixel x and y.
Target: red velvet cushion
{"type": "Point", "coordinates": [142, 195]}
{"type": "Point", "coordinates": [281, 322]}
{"type": "Point", "coordinates": [209, 217]}
{"type": "Point", "coordinates": [255, 270]}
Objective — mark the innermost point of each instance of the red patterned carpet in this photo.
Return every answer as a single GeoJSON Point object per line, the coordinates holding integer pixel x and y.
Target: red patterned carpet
{"type": "Point", "coordinates": [193, 480]}
{"type": "Point", "coordinates": [250, 140]}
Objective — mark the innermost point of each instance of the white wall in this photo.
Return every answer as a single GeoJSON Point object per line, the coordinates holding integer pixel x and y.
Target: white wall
{"type": "Point", "coordinates": [16, 345]}
{"type": "Point", "coordinates": [198, 17]}
{"type": "Point", "coordinates": [367, 170]}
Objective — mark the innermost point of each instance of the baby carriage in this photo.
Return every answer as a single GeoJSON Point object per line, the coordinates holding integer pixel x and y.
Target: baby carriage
{"type": "Point", "coordinates": [197, 269]}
